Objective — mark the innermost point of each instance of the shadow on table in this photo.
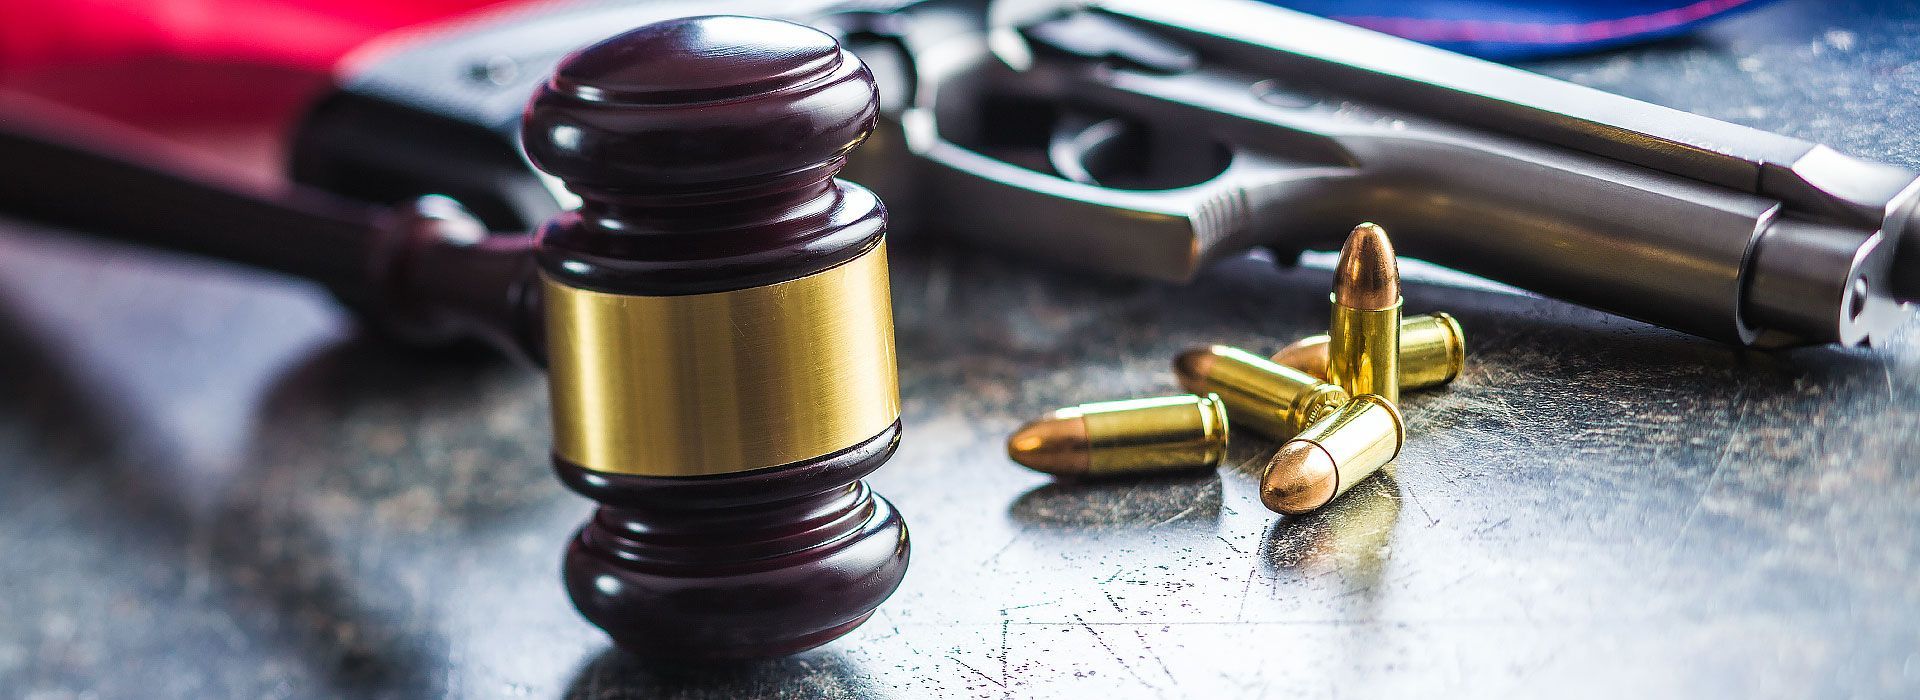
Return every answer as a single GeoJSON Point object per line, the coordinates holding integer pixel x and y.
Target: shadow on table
{"type": "Point", "coordinates": [822, 673]}
{"type": "Point", "coordinates": [277, 576]}
{"type": "Point", "coordinates": [1122, 502]}
{"type": "Point", "coordinates": [381, 420]}
{"type": "Point", "coordinates": [67, 414]}
{"type": "Point", "coordinates": [371, 458]}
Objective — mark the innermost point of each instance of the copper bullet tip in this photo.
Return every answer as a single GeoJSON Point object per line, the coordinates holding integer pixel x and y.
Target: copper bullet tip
{"type": "Point", "coordinates": [1056, 444]}
{"type": "Point", "coordinates": [1367, 276]}
{"type": "Point", "coordinates": [1192, 367]}
{"type": "Point", "coordinates": [1300, 478]}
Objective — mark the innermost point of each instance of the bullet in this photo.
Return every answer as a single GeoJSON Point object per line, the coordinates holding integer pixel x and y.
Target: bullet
{"type": "Point", "coordinates": [1264, 397]}
{"type": "Point", "coordinates": [1432, 352]}
{"type": "Point", "coordinates": [1125, 437]}
{"type": "Point", "coordinates": [1332, 455]}
{"type": "Point", "coordinates": [1363, 346]}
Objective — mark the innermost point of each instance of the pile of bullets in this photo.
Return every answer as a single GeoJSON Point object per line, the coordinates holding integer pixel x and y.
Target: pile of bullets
{"type": "Point", "coordinates": [1331, 397]}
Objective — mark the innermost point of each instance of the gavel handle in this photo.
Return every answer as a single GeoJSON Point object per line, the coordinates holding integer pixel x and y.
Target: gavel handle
{"type": "Point", "coordinates": [429, 274]}
{"type": "Point", "coordinates": [129, 187]}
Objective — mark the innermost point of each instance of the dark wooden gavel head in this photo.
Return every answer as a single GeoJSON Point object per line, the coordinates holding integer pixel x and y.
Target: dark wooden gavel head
{"type": "Point", "coordinates": [719, 336]}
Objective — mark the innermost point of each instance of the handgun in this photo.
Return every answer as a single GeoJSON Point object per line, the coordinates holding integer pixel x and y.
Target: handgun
{"type": "Point", "coordinates": [1146, 138]}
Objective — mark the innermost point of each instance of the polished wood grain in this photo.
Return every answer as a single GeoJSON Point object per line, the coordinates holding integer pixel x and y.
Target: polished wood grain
{"type": "Point", "coordinates": [704, 151]}
{"type": "Point", "coordinates": [717, 185]}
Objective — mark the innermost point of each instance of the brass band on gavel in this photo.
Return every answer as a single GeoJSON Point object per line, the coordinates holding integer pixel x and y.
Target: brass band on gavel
{"type": "Point", "coordinates": [654, 386]}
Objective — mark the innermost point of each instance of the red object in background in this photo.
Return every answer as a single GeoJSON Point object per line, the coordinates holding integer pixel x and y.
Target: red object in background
{"type": "Point", "coordinates": [299, 34]}
{"type": "Point", "coordinates": [197, 69]}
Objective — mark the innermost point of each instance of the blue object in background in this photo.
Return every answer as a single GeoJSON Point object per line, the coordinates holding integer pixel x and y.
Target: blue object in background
{"type": "Point", "coordinates": [1518, 29]}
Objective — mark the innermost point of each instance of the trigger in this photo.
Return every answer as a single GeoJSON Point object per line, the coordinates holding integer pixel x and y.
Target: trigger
{"type": "Point", "coordinates": [1077, 141]}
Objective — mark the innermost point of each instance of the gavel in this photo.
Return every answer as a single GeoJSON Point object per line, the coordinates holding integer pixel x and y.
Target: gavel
{"type": "Point", "coordinates": [714, 317]}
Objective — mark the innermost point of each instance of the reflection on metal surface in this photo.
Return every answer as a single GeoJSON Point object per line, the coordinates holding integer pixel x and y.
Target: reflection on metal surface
{"type": "Point", "coordinates": [1352, 535]}
{"type": "Point", "coordinates": [1125, 437]}
{"type": "Point", "coordinates": [621, 674]}
{"type": "Point", "coordinates": [723, 382]}
{"type": "Point", "coordinates": [1332, 455]}
{"type": "Point", "coordinates": [1433, 351]}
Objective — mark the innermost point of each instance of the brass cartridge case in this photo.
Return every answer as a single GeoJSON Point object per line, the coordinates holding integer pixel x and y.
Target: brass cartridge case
{"type": "Point", "coordinates": [1332, 455]}
{"type": "Point", "coordinates": [1264, 397]}
{"type": "Point", "coordinates": [1363, 350]}
{"type": "Point", "coordinates": [1125, 437]}
{"type": "Point", "coordinates": [1433, 350]}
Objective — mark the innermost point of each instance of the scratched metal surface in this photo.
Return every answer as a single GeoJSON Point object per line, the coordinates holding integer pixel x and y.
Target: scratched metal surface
{"type": "Point", "coordinates": [211, 486]}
